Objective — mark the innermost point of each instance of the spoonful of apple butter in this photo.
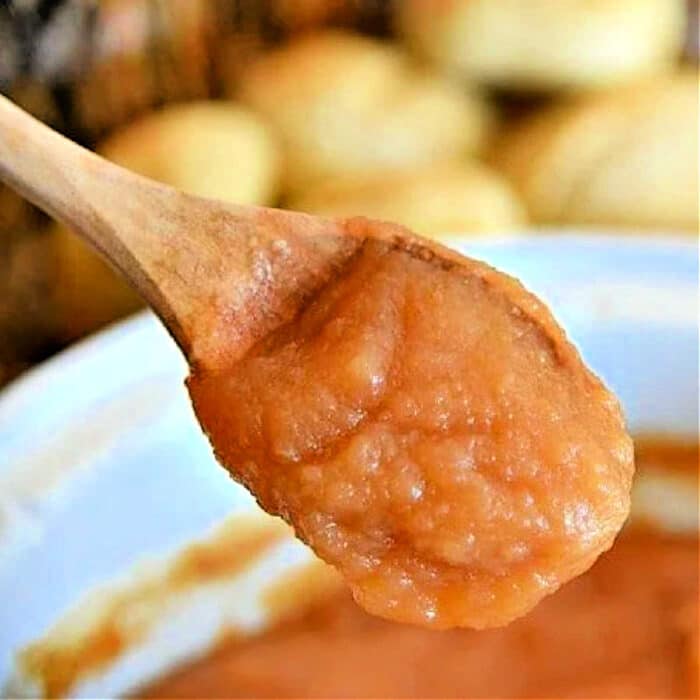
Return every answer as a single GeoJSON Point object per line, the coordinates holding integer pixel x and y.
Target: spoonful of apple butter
{"type": "Point", "coordinates": [418, 417]}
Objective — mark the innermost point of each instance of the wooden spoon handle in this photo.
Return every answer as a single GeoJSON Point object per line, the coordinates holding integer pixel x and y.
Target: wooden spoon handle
{"type": "Point", "coordinates": [124, 216]}
{"type": "Point", "coordinates": [75, 186]}
{"type": "Point", "coordinates": [65, 180]}
{"type": "Point", "coordinates": [219, 275]}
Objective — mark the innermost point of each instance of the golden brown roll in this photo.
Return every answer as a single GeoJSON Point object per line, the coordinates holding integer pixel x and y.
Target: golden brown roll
{"type": "Point", "coordinates": [344, 104]}
{"type": "Point", "coordinates": [212, 149]}
{"type": "Point", "coordinates": [434, 202]}
{"type": "Point", "coordinates": [546, 44]}
{"type": "Point", "coordinates": [620, 158]}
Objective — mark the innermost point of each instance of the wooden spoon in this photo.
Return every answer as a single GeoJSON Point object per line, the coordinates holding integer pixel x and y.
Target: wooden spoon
{"type": "Point", "coordinates": [198, 263]}
{"type": "Point", "coordinates": [419, 417]}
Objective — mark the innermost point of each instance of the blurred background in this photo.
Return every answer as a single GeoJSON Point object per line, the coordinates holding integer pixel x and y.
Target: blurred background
{"type": "Point", "coordinates": [472, 116]}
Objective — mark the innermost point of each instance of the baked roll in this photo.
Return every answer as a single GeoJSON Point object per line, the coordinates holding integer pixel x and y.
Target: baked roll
{"type": "Point", "coordinates": [344, 105]}
{"type": "Point", "coordinates": [434, 202]}
{"type": "Point", "coordinates": [546, 44]}
{"type": "Point", "coordinates": [622, 158]}
{"type": "Point", "coordinates": [210, 149]}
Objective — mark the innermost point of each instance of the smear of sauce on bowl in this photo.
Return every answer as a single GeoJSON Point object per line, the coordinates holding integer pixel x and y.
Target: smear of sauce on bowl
{"type": "Point", "coordinates": [628, 628]}
{"type": "Point", "coordinates": [426, 427]}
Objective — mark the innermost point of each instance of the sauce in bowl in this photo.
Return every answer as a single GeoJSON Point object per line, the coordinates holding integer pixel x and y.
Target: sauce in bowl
{"type": "Point", "coordinates": [626, 628]}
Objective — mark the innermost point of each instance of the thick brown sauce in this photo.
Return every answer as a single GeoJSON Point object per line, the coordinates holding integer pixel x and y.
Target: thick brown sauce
{"type": "Point", "coordinates": [70, 657]}
{"type": "Point", "coordinates": [427, 428]}
{"type": "Point", "coordinates": [626, 628]}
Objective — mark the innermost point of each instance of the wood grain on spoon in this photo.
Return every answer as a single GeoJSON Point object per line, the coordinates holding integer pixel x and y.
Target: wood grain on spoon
{"type": "Point", "coordinates": [419, 417]}
{"type": "Point", "coordinates": [198, 263]}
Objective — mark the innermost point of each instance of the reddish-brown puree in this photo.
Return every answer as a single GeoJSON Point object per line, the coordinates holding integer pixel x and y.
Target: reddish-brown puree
{"type": "Point", "coordinates": [428, 429]}
{"type": "Point", "coordinates": [627, 629]}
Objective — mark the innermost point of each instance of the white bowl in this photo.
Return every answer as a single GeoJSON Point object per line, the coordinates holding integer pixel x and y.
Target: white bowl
{"type": "Point", "coordinates": [105, 477]}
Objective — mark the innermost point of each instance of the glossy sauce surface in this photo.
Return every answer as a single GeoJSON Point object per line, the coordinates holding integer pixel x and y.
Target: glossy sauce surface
{"type": "Point", "coordinates": [427, 428]}
{"type": "Point", "coordinates": [626, 628]}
